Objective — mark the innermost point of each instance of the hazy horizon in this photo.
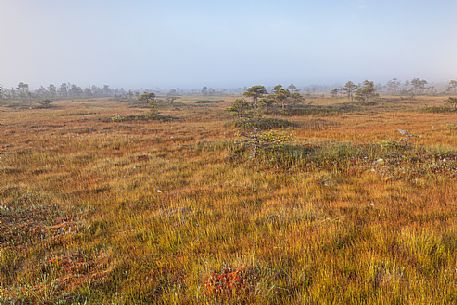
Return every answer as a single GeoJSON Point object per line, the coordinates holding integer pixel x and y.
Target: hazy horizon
{"type": "Point", "coordinates": [164, 44]}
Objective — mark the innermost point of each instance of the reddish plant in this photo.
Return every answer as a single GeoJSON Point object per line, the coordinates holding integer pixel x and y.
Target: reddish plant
{"type": "Point", "coordinates": [227, 282]}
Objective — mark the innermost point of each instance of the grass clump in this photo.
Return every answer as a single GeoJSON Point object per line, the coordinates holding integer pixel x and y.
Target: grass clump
{"type": "Point", "coordinates": [439, 109]}
{"type": "Point", "coordinates": [385, 157]}
{"type": "Point", "coordinates": [140, 118]}
{"type": "Point", "coordinates": [323, 109]}
{"type": "Point", "coordinates": [264, 123]}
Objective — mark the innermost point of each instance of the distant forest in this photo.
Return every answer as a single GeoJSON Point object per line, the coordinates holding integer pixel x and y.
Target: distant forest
{"type": "Point", "coordinates": [23, 91]}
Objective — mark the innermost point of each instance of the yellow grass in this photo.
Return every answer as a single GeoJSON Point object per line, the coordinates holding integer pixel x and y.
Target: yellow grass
{"type": "Point", "coordinates": [140, 212]}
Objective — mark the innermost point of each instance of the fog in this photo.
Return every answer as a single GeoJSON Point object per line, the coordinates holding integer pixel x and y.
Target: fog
{"type": "Point", "coordinates": [225, 44]}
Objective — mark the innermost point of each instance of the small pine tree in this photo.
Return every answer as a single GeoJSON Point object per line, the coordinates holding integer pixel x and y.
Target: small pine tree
{"type": "Point", "coordinates": [453, 101]}
{"type": "Point", "coordinates": [45, 103]}
{"type": "Point", "coordinates": [255, 92]}
{"type": "Point", "coordinates": [241, 107]}
{"type": "Point", "coordinates": [350, 88]}
{"type": "Point", "coordinates": [149, 99]}
{"type": "Point", "coordinates": [366, 92]}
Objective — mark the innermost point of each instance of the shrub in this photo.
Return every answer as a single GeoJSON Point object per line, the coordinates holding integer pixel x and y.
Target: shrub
{"type": "Point", "coordinates": [139, 117]}
{"type": "Point", "coordinates": [149, 99]}
{"type": "Point", "coordinates": [240, 107]}
{"type": "Point", "coordinates": [260, 143]}
{"type": "Point", "coordinates": [438, 109]}
{"type": "Point", "coordinates": [453, 102]}
{"type": "Point", "coordinates": [387, 158]}
{"type": "Point", "coordinates": [323, 109]}
{"type": "Point", "coordinates": [45, 104]}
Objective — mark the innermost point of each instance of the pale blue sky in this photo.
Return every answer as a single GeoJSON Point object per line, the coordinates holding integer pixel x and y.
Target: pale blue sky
{"type": "Point", "coordinates": [190, 44]}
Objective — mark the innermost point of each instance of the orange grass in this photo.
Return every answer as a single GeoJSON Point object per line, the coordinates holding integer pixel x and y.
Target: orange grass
{"type": "Point", "coordinates": [97, 212]}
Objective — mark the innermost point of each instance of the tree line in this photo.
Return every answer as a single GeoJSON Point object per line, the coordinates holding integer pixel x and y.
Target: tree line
{"type": "Point", "coordinates": [65, 90]}
{"type": "Point", "coordinates": [412, 88]}
{"type": "Point", "coordinates": [361, 92]}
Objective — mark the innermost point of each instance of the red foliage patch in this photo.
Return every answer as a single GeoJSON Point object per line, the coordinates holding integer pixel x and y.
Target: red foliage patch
{"type": "Point", "coordinates": [228, 282]}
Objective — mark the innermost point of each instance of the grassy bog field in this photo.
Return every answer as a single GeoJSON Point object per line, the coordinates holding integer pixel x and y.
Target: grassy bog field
{"type": "Point", "coordinates": [101, 205]}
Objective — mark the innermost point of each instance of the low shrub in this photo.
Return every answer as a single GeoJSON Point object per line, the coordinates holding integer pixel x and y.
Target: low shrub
{"type": "Point", "coordinates": [388, 158]}
{"type": "Point", "coordinates": [139, 117]}
{"type": "Point", "coordinates": [323, 109]}
{"type": "Point", "coordinates": [264, 123]}
{"type": "Point", "coordinates": [438, 109]}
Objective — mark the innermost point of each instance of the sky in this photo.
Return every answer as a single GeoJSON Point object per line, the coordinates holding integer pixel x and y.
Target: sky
{"type": "Point", "coordinates": [225, 44]}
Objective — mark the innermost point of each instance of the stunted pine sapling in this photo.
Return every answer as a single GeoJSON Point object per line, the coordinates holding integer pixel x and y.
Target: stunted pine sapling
{"type": "Point", "coordinates": [149, 99]}
{"type": "Point", "coordinates": [349, 88]}
{"type": "Point", "coordinates": [281, 95]}
{"type": "Point", "coordinates": [285, 97]}
{"type": "Point", "coordinates": [240, 107]}
{"type": "Point", "coordinates": [255, 92]}
{"type": "Point", "coordinates": [366, 92]}
{"type": "Point", "coordinates": [453, 102]}
{"type": "Point", "coordinates": [45, 103]}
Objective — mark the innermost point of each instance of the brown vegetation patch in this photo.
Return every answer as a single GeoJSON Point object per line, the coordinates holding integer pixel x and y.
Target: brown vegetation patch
{"type": "Point", "coordinates": [26, 216]}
